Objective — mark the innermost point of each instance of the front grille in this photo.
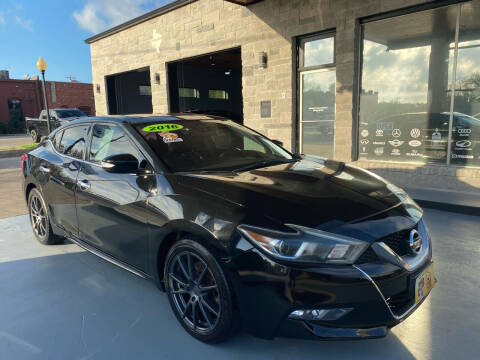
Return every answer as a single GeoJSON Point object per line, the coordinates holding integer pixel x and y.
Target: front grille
{"type": "Point", "coordinates": [398, 242]}
{"type": "Point", "coordinates": [400, 302]}
{"type": "Point", "coordinates": [367, 257]}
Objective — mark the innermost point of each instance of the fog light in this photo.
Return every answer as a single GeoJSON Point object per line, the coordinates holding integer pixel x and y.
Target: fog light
{"type": "Point", "coordinates": [319, 314]}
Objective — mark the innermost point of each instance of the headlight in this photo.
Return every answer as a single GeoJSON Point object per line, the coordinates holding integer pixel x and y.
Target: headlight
{"type": "Point", "coordinates": [305, 245]}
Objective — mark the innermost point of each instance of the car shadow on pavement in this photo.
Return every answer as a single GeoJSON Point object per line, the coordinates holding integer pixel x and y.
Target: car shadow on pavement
{"type": "Point", "coordinates": [77, 306]}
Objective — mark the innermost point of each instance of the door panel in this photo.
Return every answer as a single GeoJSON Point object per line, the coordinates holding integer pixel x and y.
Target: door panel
{"type": "Point", "coordinates": [61, 173]}
{"type": "Point", "coordinates": [112, 214]}
{"type": "Point", "coordinates": [112, 208]}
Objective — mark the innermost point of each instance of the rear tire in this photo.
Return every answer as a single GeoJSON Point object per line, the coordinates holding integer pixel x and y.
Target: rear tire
{"type": "Point", "coordinates": [40, 220]}
{"type": "Point", "coordinates": [35, 136]}
{"type": "Point", "coordinates": [198, 292]}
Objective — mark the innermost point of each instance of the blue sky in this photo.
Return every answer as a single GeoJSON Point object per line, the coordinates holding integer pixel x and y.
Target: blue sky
{"type": "Point", "coordinates": [56, 30]}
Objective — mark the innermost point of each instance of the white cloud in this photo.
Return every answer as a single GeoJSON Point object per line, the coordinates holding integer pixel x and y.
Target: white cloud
{"type": "Point", "coordinates": [25, 23]}
{"type": "Point", "coordinates": [99, 15]}
{"type": "Point", "coordinates": [3, 22]}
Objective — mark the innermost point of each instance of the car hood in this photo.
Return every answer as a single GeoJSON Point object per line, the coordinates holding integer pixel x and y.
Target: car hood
{"type": "Point", "coordinates": [311, 192]}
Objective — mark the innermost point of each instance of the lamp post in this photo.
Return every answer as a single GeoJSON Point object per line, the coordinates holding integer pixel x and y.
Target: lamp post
{"type": "Point", "coordinates": [42, 66]}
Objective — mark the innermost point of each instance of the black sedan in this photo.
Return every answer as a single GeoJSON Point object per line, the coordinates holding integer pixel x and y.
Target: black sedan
{"type": "Point", "coordinates": [238, 231]}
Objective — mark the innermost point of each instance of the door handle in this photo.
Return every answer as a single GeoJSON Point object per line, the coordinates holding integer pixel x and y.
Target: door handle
{"type": "Point", "coordinates": [83, 184]}
{"type": "Point", "coordinates": [44, 169]}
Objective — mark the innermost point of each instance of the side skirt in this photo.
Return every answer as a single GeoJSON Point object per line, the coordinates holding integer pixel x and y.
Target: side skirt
{"type": "Point", "coordinates": [108, 258]}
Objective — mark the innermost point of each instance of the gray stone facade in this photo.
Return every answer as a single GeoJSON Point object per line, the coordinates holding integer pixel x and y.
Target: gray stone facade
{"type": "Point", "coordinates": [271, 26]}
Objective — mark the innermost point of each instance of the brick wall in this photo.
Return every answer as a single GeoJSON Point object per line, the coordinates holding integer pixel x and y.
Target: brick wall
{"type": "Point", "coordinates": [73, 95]}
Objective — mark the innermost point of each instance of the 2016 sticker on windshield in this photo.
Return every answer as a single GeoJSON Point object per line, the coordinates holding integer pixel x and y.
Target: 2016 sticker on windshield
{"type": "Point", "coordinates": [162, 127]}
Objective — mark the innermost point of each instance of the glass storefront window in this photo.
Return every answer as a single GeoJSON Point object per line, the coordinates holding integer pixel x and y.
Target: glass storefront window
{"type": "Point", "coordinates": [465, 144]}
{"type": "Point", "coordinates": [407, 76]}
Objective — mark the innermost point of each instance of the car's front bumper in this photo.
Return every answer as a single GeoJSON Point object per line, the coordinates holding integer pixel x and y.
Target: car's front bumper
{"type": "Point", "coordinates": [380, 294]}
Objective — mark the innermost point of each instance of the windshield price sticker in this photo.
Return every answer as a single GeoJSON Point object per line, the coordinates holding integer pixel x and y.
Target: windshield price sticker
{"type": "Point", "coordinates": [162, 127]}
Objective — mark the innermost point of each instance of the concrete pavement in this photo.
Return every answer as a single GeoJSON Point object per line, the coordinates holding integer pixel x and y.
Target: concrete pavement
{"type": "Point", "coordinates": [15, 140]}
{"type": "Point", "coordinates": [60, 302]}
{"type": "Point", "coordinates": [12, 202]}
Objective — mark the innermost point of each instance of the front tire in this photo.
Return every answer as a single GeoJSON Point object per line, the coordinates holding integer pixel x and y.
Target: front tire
{"type": "Point", "coordinates": [40, 221]}
{"type": "Point", "coordinates": [198, 292]}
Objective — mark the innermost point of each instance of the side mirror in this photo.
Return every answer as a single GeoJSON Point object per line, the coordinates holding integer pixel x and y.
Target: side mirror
{"type": "Point", "coordinates": [278, 142]}
{"type": "Point", "coordinates": [120, 164]}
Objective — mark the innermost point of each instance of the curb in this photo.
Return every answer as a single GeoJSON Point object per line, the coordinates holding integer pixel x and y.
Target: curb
{"type": "Point", "coordinates": [462, 209]}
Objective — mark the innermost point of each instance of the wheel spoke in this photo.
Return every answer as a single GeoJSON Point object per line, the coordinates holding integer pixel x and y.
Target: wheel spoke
{"type": "Point", "coordinates": [184, 312]}
{"type": "Point", "coordinates": [200, 277]}
{"type": "Point", "coordinates": [182, 266]}
{"type": "Point", "coordinates": [208, 288]}
{"type": "Point", "coordinates": [181, 291]}
{"type": "Point", "coordinates": [189, 266]}
{"type": "Point", "coordinates": [194, 315]}
{"type": "Point", "coordinates": [209, 307]}
{"type": "Point", "coordinates": [183, 283]}
{"type": "Point", "coordinates": [205, 314]}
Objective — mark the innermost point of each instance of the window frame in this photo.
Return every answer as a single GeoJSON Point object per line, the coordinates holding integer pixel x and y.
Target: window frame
{"type": "Point", "coordinates": [197, 92]}
{"type": "Point", "coordinates": [309, 38]}
{"type": "Point", "coordinates": [225, 92]}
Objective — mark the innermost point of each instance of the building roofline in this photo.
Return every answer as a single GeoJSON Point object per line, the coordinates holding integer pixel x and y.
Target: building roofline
{"type": "Point", "coordinates": [142, 18]}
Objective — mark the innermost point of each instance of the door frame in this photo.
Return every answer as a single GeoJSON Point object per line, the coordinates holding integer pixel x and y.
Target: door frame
{"type": "Point", "coordinates": [299, 70]}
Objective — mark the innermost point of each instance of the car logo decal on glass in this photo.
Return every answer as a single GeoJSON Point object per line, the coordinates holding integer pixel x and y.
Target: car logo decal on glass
{"type": "Point", "coordinates": [364, 141]}
{"type": "Point", "coordinates": [162, 127]}
{"type": "Point", "coordinates": [379, 132]}
{"type": "Point", "coordinates": [464, 132]}
{"type": "Point", "coordinates": [378, 151]}
{"type": "Point", "coordinates": [415, 143]}
{"type": "Point", "coordinates": [415, 242]}
{"type": "Point", "coordinates": [463, 143]}
{"type": "Point", "coordinates": [396, 142]}
{"type": "Point", "coordinates": [396, 133]}
{"type": "Point", "coordinates": [364, 133]}
{"type": "Point", "coordinates": [415, 133]}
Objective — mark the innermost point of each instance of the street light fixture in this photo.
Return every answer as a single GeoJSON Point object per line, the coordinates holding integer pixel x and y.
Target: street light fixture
{"type": "Point", "coordinates": [42, 66]}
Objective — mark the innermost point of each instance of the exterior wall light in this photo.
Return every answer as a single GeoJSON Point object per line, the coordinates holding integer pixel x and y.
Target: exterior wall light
{"type": "Point", "coordinates": [98, 88]}
{"type": "Point", "coordinates": [157, 78]}
{"type": "Point", "coordinates": [263, 60]}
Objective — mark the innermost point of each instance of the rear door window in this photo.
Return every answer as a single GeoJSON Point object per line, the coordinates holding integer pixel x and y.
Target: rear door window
{"type": "Point", "coordinates": [74, 141]}
{"type": "Point", "coordinates": [56, 140]}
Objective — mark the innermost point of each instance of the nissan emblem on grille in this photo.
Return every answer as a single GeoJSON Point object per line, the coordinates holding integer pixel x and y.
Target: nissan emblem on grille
{"type": "Point", "coordinates": [415, 242]}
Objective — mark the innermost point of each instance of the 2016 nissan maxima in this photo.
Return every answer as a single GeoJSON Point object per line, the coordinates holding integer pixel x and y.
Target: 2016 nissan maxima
{"type": "Point", "coordinates": [238, 231]}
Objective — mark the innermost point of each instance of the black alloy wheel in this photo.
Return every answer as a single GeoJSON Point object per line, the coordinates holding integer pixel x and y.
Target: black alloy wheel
{"type": "Point", "coordinates": [39, 219]}
{"type": "Point", "coordinates": [198, 292]}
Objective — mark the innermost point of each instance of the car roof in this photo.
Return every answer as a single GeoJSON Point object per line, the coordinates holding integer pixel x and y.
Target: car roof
{"type": "Point", "coordinates": [146, 119]}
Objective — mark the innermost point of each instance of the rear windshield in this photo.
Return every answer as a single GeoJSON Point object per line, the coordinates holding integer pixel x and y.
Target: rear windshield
{"type": "Point", "coordinates": [208, 145]}
{"type": "Point", "coordinates": [70, 113]}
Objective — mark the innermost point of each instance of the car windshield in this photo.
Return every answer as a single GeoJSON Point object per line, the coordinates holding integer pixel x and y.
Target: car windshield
{"type": "Point", "coordinates": [70, 113]}
{"type": "Point", "coordinates": [210, 145]}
